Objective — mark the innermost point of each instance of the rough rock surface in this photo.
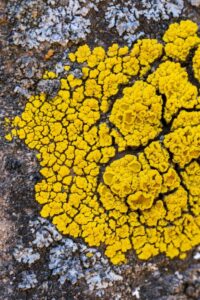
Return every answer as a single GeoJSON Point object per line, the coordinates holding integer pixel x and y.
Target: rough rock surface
{"type": "Point", "coordinates": [36, 262]}
{"type": "Point", "coordinates": [195, 3]}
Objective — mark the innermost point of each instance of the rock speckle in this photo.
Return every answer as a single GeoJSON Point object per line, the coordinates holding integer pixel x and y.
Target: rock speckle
{"type": "Point", "coordinates": [195, 2]}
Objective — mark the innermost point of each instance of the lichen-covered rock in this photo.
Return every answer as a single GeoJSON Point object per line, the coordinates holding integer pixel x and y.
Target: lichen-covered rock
{"type": "Point", "coordinates": [195, 2]}
{"type": "Point", "coordinates": [29, 280]}
{"type": "Point", "coordinates": [26, 255]}
{"type": "Point", "coordinates": [69, 260]}
{"type": "Point", "coordinates": [24, 271]}
{"type": "Point", "coordinates": [51, 21]}
{"type": "Point", "coordinates": [125, 16]}
{"type": "Point", "coordinates": [115, 205]}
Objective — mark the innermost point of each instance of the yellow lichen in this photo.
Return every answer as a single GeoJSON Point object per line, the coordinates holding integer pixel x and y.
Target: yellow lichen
{"type": "Point", "coordinates": [184, 144]}
{"type": "Point", "coordinates": [171, 80]}
{"type": "Point", "coordinates": [180, 38]}
{"type": "Point", "coordinates": [122, 171]}
{"type": "Point", "coordinates": [137, 114]}
{"type": "Point", "coordinates": [196, 64]}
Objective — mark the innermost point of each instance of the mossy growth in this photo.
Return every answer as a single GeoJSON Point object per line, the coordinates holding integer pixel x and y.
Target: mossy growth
{"type": "Point", "coordinates": [119, 147]}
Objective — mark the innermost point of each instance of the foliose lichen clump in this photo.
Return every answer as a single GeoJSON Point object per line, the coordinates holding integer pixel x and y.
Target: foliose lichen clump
{"type": "Point", "coordinates": [124, 16]}
{"type": "Point", "coordinates": [119, 147]}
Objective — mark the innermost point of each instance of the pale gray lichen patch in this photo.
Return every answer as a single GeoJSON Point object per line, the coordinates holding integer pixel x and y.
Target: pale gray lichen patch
{"type": "Point", "coordinates": [161, 9]}
{"type": "Point", "coordinates": [25, 255]}
{"type": "Point", "coordinates": [72, 261]}
{"type": "Point", "coordinates": [41, 21]}
{"type": "Point", "coordinates": [125, 17]}
{"type": "Point", "coordinates": [28, 280]}
{"type": "Point", "coordinates": [197, 254]}
{"type": "Point", "coordinates": [48, 86]}
{"type": "Point", "coordinates": [50, 21]}
{"type": "Point", "coordinates": [68, 260]}
{"type": "Point", "coordinates": [44, 233]}
{"type": "Point", "coordinates": [64, 263]}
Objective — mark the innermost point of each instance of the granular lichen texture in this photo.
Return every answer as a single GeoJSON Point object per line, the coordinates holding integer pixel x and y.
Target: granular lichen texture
{"type": "Point", "coordinates": [119, 146]}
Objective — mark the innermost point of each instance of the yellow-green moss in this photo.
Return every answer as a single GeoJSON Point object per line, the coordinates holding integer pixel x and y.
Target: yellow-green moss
{"type": "Point", "coordinates": [145, 198]}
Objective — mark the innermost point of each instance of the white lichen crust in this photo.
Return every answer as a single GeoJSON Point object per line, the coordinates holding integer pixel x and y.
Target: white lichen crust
{"type": "Point", "coordinates": [56, 21]}
{"type": "Point", "coordinates": [69, 260]}
{"type": "Point", "coordinates": [50, 21]}
{"type": "Point", "coordinates": [125, 17]}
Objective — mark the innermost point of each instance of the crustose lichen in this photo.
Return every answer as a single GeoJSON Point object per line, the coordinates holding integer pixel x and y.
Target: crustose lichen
{"type": "Point", "coordinates": [122, 171]}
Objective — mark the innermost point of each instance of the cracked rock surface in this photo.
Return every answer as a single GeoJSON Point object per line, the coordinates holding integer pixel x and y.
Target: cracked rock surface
{"type": "Point", "coordinates": [36, 262]}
